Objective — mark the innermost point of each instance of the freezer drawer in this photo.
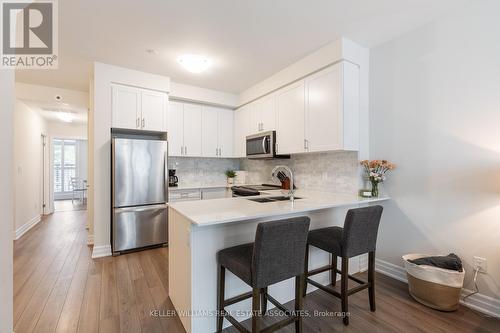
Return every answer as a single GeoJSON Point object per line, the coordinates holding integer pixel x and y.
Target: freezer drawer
{"type": "Point", "coordinates": [135, 227]}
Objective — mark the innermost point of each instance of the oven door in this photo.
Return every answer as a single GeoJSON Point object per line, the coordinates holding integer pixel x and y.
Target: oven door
{"type": "Point", "coordinates": [260, 145]}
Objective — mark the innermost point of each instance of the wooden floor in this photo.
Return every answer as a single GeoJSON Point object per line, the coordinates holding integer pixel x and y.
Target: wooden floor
{"type": "Point", "coordinates": [59, 288]}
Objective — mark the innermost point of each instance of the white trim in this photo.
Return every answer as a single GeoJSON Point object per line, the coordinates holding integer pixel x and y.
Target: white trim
{"type": "Point", "coordinates": [90, 239]}
{"type": "Point", "coordinates": [479, 302]}
{"type": "Point", "coordinates": [101, 251]}
{"type": "Point", "coordinates": [394, 271]}
{"type": "Point", "coordinates": [26, 227]}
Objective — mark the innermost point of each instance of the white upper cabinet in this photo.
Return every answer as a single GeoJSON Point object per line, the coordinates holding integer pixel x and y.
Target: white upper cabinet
{"type": "Point", "coordinates": [264, 114]}
{"type": "Point", "coordinates": [226, 133]}
{"type": "Point", "coordinates": [332, 108]}
{"type": "Point", "coordinates": [242, 128]}
{"type": "Point", "coordinates": [217, 132]}
{"type": "Point", "coordinates": [290, 108]}
{"type": "Point", "coordinates": [140, 109]}
{"type": "Point", "coordinates": [126, 107]}
{"type": "Point", "coordinates": [154, 110]}
{"type": "Point", "coordinates": [192, 129]}
{"type": "Point", "coordinates": [176, 129]}
{"type": "Point", "coordinates": [210, 131]}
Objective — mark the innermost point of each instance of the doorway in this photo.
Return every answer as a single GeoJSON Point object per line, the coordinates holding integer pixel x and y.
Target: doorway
{"type": "Point", "coordinates": [69, 166]}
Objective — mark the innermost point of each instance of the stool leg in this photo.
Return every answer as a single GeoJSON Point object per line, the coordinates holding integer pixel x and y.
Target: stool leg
{"type": "Point", "coordinates": [343, 286]}
{"type": "Point", "coordinates": [255, 310]}
{"type": "Point", "coordinates": [299, 284]}
{"type": "Point", "coordinates": [334, 269]}
{"type": "Point", "coordinates": [221, 277]}
{"type": "Point", "coordinates": [263, 299]}
{"type": "Point", "coordinates": [306, 270]}
{"type": "Point", "coordinates": [371, 280]}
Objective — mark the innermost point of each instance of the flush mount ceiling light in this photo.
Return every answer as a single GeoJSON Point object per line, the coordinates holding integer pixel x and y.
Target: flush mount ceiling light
{"type": "Point", "coordinates": [194, 63]}
{"type": "Point", "coordinates": [67, 117]}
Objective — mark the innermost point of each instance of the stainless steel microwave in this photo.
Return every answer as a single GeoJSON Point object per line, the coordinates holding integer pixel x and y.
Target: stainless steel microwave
{"type": "Point", "coordinates": [263, 146]}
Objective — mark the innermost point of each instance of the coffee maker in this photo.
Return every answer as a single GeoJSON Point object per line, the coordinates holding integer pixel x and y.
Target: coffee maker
{"type": "Point", "coordinates": [172, 178]}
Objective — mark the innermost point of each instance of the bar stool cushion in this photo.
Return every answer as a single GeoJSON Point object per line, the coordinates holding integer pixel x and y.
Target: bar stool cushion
{"type": "Point", "coordinates": [327, 239]}
{"type": "Point", "coordinates": [238, 260]}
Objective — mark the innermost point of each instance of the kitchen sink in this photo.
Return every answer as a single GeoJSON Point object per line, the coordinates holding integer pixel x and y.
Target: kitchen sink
{"type": "Point", "coordinates": [272, 199]}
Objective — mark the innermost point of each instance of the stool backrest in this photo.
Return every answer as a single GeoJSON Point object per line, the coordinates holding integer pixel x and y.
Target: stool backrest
{"type": "Point", "coordinates": [360, 230]}
{"type": "Point", "coordinates": [279, 250]}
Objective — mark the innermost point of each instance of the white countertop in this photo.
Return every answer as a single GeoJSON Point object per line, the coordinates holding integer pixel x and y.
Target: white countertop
{"type": "Point", "coordinates": [227, 210]}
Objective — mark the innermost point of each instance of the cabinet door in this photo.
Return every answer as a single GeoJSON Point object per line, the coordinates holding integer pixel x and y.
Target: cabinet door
{"type": "Point", "coordinates": [192, 129]}
{"type": "Point", "coordinates": [225, 125]}
{"type": "Point", "coordinates": [241, 130]}
{"type": "Point", "coordinates": [209, 130]}
{"type": "Point", "coordinates": [154, 110]}
{"type": "Point", "coordinates": [290, 119]}
{"type": "Point", "coordinates": [175, 129]}
{"type": "Point", "coordinates": [253, 110]}
{"type": "Point", "coordinates": [323, 110]}
{"type": "Point", "coordinates": [125, 107]}
{"type": "Point", "coordinates": [267, 111]}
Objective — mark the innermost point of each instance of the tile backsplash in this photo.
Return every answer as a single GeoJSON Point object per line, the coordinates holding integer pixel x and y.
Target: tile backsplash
{"type": "Point", "coordinates": [329, 171]}
{"type": "Point", "coordinates": [194, 171]}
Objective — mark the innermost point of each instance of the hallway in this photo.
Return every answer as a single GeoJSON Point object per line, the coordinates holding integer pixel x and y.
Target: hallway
{"type": "Point", "coordinates": [59, 288]}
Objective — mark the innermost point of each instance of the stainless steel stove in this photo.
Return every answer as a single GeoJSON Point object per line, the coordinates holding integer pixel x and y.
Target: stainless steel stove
{"type": "Point", "coordinates": [250, 190]}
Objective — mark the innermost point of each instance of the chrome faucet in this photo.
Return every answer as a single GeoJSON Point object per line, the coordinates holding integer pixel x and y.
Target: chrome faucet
{"type": "Point", "coordinates": [288, 172]}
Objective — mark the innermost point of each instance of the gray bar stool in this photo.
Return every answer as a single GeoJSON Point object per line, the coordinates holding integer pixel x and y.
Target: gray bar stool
{"type": "Point", "coordinates": [278, 254]}
{"type": "Point", "coordinates": [358, 236]}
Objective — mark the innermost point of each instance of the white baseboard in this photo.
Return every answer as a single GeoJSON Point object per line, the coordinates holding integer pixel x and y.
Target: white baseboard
{"type": "Point", "coordinates": [101, 251]}
{"type": "Point", "coordinates": [479, 302]}
{"type": "Point", "coordinates": [26, 227]}
{"type": "Point", "coordinates": [90, 239]}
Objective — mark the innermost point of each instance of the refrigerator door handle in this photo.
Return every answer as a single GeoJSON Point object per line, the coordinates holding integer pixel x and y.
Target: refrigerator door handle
{"type": "Point", "coordinates": [140, 208]}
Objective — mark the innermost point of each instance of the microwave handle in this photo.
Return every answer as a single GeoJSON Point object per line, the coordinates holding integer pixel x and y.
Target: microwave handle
{"type": "Point", "coordinates": [264, 145]}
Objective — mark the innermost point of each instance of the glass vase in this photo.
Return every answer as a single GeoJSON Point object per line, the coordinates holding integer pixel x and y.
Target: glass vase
{"type": "Point", "coordinates": [374, 189]}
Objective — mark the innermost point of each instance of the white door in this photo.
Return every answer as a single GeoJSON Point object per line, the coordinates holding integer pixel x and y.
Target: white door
{"type": "Point", "coordinates": [290, 119]}
{"type": "Point", "coordinates": [225, 125]}
{"type": "Point", "coordinates": [209, 130]}
{"type": "Point", "coordinates": [125, 107]}
{"type": "Point", "coordinates": [323, 110]}
{"type": "Point", "coordinates": [192, 129]}
{"type": "Point", "coordinates": [154, 110]}
{"type": "Point", "coordinates": [175, 129]}
{"type": "Point", "coordinates": [267, 110]}
{"type": "Point", "coordinates": [241, 130]}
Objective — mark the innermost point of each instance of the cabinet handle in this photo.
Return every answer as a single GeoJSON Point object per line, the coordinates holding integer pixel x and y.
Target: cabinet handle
{"type": "Point", "coordinates": [143, 122]}
{"type": "Point", "coordinates": [220, 152]}
{"type": "Point", "coordinates": [137, 122]}
{"type": "Point", "coordinates": [216, 151]}
{"type": "Point", "coordinates": [185, 150]}
{"type": "Point", "coordinates": [182, 150]}
{"type": "Point", "coordinates": [306, 144]}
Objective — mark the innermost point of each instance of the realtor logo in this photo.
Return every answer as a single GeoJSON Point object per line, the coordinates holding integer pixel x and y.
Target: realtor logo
{"type": "Point", "coordinates": [29, 34]}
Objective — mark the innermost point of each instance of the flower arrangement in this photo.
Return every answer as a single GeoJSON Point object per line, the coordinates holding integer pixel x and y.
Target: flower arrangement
{"type": "Point", "coordinates": [376, 172]}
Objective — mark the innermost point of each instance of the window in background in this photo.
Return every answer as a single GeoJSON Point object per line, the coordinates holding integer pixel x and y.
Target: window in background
{"type": "Point", "coordinates": [65, 161]}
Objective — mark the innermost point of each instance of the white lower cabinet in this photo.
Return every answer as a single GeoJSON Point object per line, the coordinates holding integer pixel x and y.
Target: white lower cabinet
{"type": "Point", "coordinates": [177, 195]}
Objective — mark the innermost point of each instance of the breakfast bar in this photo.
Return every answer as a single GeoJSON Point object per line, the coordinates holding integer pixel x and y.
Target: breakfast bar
{"type": "Point", "coordinates": [198, 229]}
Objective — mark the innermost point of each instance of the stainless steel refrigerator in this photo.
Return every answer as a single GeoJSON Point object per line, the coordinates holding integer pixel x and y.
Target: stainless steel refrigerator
{"type": "Point", "coordinates": [139, 193]}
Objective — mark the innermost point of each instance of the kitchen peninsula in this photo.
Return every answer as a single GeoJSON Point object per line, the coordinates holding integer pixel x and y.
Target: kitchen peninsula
{"type": "Point", "coordinates": [198, 229]}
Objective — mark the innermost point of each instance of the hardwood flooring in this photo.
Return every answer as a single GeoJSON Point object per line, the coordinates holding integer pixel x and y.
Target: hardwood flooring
{"type": "Point", "coordinates": [59, 288]}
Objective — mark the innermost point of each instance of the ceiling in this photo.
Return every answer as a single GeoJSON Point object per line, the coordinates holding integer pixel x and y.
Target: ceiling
{"type": "Point", "coordinates": [247, 40]}
{"type": "Point", "coordinates": [49, 111]}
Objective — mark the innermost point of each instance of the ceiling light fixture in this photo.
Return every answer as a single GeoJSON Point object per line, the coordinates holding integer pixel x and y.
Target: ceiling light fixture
{"type": "Point", "coordinates": [67, 117]}
{"type": "Point", "coordinates": [194, 63]}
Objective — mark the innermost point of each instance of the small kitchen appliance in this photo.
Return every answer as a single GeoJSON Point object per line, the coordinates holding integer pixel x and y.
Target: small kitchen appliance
{"type": "Point", "coordinates": [172, 178]}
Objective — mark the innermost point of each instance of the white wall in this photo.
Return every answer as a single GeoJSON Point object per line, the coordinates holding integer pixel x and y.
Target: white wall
{"type": "Point", "coordinates": [28, 163]}
{"type": "Point", "coordinates": [6, 204]}
{"type": "Point", "coordinates": [67, 130]}
{"type": "Point", "coordinates": [435, 112]}
{"type": "Point", "coordinates": [208, 96]}
{"type": "Point", "coordinates": [38, 93]}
